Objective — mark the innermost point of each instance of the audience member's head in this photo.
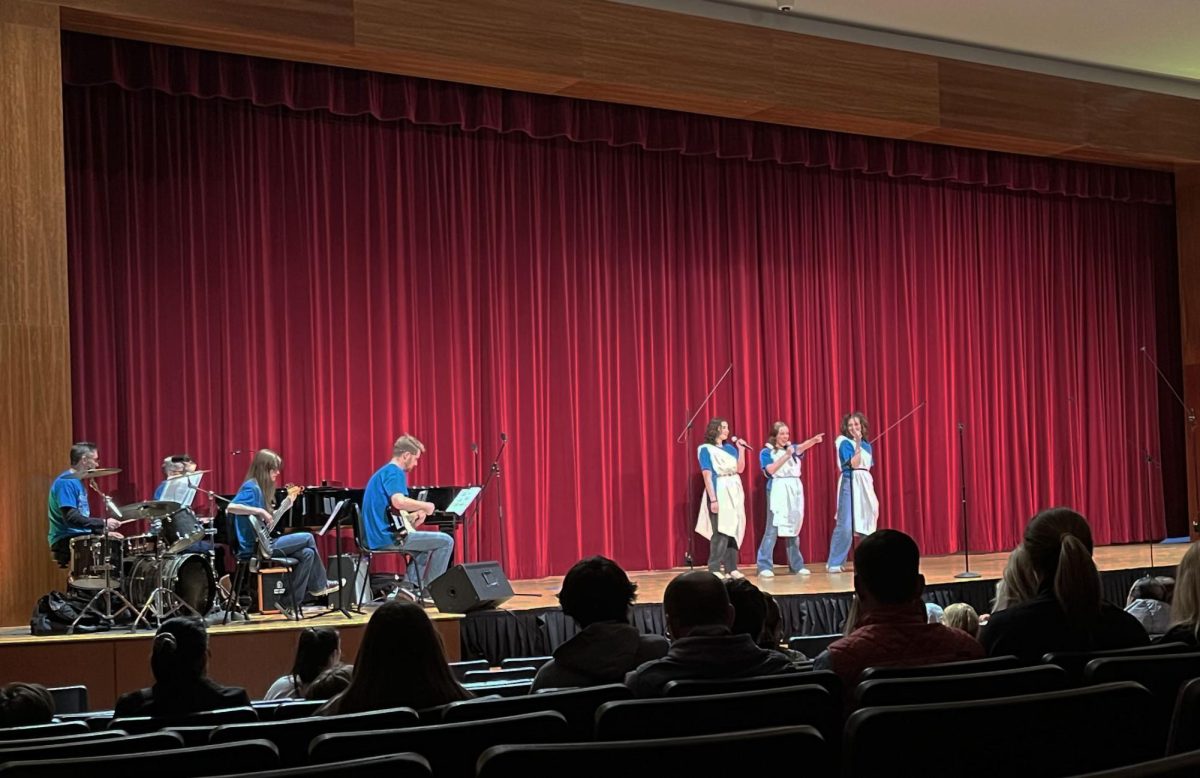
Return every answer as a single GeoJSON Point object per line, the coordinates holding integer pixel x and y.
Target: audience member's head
{"type": "Point", "coordinates": [696, 599]}
{"type": "Point", "coordinates": [317, 650]}
{"type": "Point", "coordinates": [399, 632]}
{"type": "Point", "coordinates": [596, 589]}
{"type": "Point", "coordinates": [934, 613]}
{"type": "Point", "coordinates": [180, 652]}
{"type": "Point", "coordinates": [887, 571]}
{"type": "Point", "coordinates": [1059, 544]}
{"type": "Point", "coordinates": [1152, 587]}
{"type": "Point", "coordinates": [1185, 607]}
{"type": "Point", "coordinates": [749, 608]}
{"type": "Point", "coordinates": [330, 683]}
{"type": "Point", "coordinates": [962, 616]}
{"type": "Point", "coordinates": [772, 631]}
{"type": "Point", "coordinates": [25, 704]}
{"type": "Point", "coordinates": [1019, 582]}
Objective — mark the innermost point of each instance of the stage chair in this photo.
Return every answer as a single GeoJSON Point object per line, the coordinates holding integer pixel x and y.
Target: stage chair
{"type": "Point", "coordinates": [44, 730]}
{"type": "Point", "coordinates": [1048, 735]}
{"type": "Point", "coordinates": [1163, 675]}
{"type": "Point", "coordinates": [452, 749]}
{"type": "Point", "coordinates": [69, 699]}
{"type": "Point", "coordinates": [725, 754]}
{"type": "Point", "coordinates": [924, 690]}
{"type": "Point", "coordinates": [496, 676]}
{"type": "Point", "coordinates": [124, 744]}
{"type": "Point", "coordinates": [460, 669]}
{"type": "Point", "coordinates": [718, 713]}
{"type": "Point", "coordinates": [811, 645]}
{"type": "Point", "coordinates": [535, 662]}
{"type": "Point", "coordinates": [251, 755]}
{"type": "Point", "coordinates": [390, 766]}
{"type": "Point", "coordinates": [138, 725]}
{"type": "Point", "coordinates": [368, 555]}
{"type": "Point", "coordinates": [292, 737]}
{"type": "Point", "coordinates": [1185, 724]}
{"type": "Point", "coordinates": [1180, 766]}
{"type": "Point", "coordinates": [578, 706]}
{"type": "Point", "coordinates": [827, 679]}
{"type": "Point", "coordinates": [965, 667]}
{"type": "Point", "coordinates": [1074, 661]}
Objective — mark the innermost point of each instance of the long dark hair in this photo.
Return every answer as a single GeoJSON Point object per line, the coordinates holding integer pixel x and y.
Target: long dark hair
{"type": "Point", "coordinates": [265, 460]}
{"type": "Point", "coordinates": [180, 652]}
{"type": "Point", "coordinates": [314, 648]}
{"type": "Point", "coordinates": [1059, 542]}
{"type": "Point", "coordinates": [862, 421]}
{"type": "Point", "coordinates": [400, 663]}
{"type": "Point", "coordinates": [712, 430]}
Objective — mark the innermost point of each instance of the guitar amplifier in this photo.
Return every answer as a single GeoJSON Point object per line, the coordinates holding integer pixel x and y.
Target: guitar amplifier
{"type": "Point", "coordinates": [272, 589]}
{"type": "Point", "coordinates": [355, 587]}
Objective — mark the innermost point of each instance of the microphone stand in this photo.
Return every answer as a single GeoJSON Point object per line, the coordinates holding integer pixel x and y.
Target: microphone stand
{"type": "Point", "coordinates": [962, 476]}
{"type": "Point", "coordinates": [689, 554]}
{"type": "Point", "coordinates": [1151, 463]}
{"type": "Point", "coordinates": [493, 472]}
{"type": "Point", "coordinates": [1190, 415]}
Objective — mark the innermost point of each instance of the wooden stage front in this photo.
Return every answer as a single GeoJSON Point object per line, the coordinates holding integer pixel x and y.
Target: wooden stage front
{"type": "Point", "coordinates": [253, 654]}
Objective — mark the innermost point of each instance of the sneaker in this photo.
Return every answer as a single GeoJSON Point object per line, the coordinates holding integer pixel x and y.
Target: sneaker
{"type": "Point", "coordinates": [330, 588]}
{"type": "Point", "coordinates": [833, 570]}
{"type": "Point", "coordinates": [768, 573]}
{"type": "Point", "coordinates": [804, 571]}
{"type": "Point", "coordinates": [720, 576]}
{"type": "Point", "coordinates": [736, 575]}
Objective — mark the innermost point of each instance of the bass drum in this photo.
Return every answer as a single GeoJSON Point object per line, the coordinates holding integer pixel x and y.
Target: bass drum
{"type": "Point", "coordinates": [190, 576]}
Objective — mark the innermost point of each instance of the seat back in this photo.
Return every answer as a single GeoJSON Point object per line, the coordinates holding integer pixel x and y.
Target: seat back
{"type": "Point", "coordinates": [535, 662]}
{"type": "Point", "coordinates": [390, 766]}
{"type": "Point", "coordinates": [96, 721]}
{"type": "Point", "coordinates": [1075, 661]}
{"type": "Point", "coordinates": [138, 725]}
{"type": "Point", "coordinates": [943, 668]}
{"type": "Point", "coordinates": [578, 706]}
{"type": "Point", "coordinates": [460, 669]}
{"type": "Point", "coordinates": [812, 645]}
{"type": "Point", "coordinates": [251, 755]}
{"type": "Point", "coordinates": [500, 689]}
{"type": "Point", "coordinates": [43, 730]}
{"type": "Point", "coordinates": [452, 749]}
{"type": "Point", "coordinates": [824, 678]}
{"type": "Point", "coordinates": [293, 709]}
{"type": "Point", "coordinates": [1184, 733]}
{"type": "Point", "coordinates": [724, 754]}
{"type": "Point", "coordinates": [1054, 734]}
{"type": "Point", "coordinates": [69, 699]}
{"type": "Point", "coordinates": [494, 676]}
{"type": "Point", "coordinates": [292, 737]}
{"type": "Point", "coordinates": [715, 713]}
{"type": "Point", "coordinates": [1164, 675]}
{"type": "Point", "coordinates": [953, 688]}
{"type": "Point", "coordinates": [1180, 766]}
{"type": "Point", "coordinates": [93, 746]}
{"type": "Point", "coordinates": [57, 740]}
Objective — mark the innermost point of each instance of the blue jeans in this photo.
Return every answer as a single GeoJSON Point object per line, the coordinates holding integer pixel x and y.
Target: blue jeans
{"type": "Point", "coordinates": [309, 574]}
{"type": "Point", "coordinates": [843, 529]}
{"type": "Point", "coordinates": [766, 549]}
{"type": "Point", "coordinates": [431, 554]}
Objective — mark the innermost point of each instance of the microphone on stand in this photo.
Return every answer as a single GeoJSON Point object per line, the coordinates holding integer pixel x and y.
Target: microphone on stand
{"type": "Point", "coordinates": [503, 437]}
{"type": "Point", "coordinates": [236, 451]}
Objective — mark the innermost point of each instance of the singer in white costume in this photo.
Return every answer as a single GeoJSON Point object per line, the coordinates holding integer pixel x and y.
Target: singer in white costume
{"type": "Point", "coordinates": [857, 505]}
{"type": "Point", "coordinates": [780, 463]}
{"type": "Point", "coordinates": [722, 519]}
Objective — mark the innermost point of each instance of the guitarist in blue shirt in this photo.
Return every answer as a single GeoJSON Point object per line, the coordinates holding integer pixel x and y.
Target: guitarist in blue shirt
{"type": "Point", "coordinates": [254, 503]}
{"type": "Point", "coordinates": [387, 493]}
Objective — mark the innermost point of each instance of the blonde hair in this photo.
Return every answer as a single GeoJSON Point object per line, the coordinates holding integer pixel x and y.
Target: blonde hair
{"type": "Point", "coordinates": [1059, 543]}
{"type": "Point", "coordinates": [1185, 606]}
{"type": "Point", "coordinates": [962, 616]}
{"type": "Point", "coordinates": [407, 444]}
{"type": "Point", "coordinates": [1019, 582]}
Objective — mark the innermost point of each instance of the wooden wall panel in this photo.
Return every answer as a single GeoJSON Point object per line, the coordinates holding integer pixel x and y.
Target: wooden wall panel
{"type": "Point", "coordinates": [35, 415]}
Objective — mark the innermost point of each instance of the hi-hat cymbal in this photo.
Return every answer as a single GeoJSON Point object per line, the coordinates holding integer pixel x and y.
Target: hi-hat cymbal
{"type": "Point", "coordinates": [98, 472]}
{"type": "Point", "coordinates": [185, 475]}
{"type": "Point", "coordinates": [151, 509]}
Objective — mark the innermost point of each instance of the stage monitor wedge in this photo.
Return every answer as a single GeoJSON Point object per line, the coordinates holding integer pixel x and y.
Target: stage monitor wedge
{"type": "Point", "coordinates": [471, 587]}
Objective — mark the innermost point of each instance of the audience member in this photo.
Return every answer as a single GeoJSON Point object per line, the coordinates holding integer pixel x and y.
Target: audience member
{"type": "Point", "coordinates": [1068, 613]}
{"type": "Point", "coordinates": [934, 613]}
{"type": "Point", "coordinates": [892, 626]}
{"type": "Point", "coordinates": [400, 663]}
{"type": "Point", "coordinates": [330, 683]}
{"type": "Point", "coordinates": [749, 608]}
{"type": "Point", "coordinates": [317, 650]}
{"type": "Point", "coordinates": [25, 704]}
{"type": "Point", "coordinates": [597, 594]}
{"type": "Point", "coordinates": [699, 616]}
{"type": "Point", "coordinates": [179, 661]}
{"type": "Point", "coordinates": [772, 633]}
{"type": "Point", "coordinates": [1149, 602]}
{"type": "Point", "coordinates": [1185, 605]}
{"type": "Point", "coordinates": [1018, 584]}
{"type": "Point", "coordinates": [962, 616]}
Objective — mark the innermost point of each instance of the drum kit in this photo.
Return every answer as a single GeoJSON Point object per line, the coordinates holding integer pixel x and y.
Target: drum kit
{"type": "Point", "coordinates": [157, 569]}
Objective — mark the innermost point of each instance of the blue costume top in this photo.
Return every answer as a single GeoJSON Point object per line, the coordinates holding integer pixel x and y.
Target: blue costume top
{"type": "Point", "coordinates": [766, 458]}
{"type": "Point", "coordinates": [846, 453]}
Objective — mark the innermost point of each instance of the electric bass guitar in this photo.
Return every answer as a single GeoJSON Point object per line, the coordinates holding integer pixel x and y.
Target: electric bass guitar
{"type": "Point", "coordinates": [263, 531]}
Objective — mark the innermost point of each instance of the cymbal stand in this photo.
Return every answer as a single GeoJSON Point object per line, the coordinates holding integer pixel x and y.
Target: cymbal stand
{"type": "Point", "coordinates": [232, 598]}
{"type": "Point", "coordinates": [106, 615]}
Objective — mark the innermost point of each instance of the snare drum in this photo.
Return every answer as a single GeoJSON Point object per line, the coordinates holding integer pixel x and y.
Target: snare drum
{"type": "Point", "coordinates": [141, 545]}
{"type": "Point", "coordinates": [91, 558]}
{"type": "Point", "coordinates": [180, 530]}
{"type": "Point", "coordinates": [190, 576]}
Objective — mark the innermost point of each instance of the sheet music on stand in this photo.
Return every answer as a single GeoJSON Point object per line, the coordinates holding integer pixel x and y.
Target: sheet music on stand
{"type": "Point", "coordinates": [463, 500]}
{"type": "Point", "coordinates": [182, 489]}
{"type": "Point", "coordinates": [333, 517]}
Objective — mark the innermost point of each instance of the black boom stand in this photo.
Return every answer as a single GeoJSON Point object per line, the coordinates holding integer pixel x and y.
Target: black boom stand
{"type": "Point", "coordinates": [962, 477]}
{"type": "Point", "coordinates": [493, 473]}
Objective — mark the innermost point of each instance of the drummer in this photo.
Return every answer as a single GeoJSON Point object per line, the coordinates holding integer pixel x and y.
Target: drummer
{"type": "Point", "coordinates": [67, 506]}
{"type": "Point", "coordinates": [178, 466]}
{"type": "Point", "coordinates": [174, 465]}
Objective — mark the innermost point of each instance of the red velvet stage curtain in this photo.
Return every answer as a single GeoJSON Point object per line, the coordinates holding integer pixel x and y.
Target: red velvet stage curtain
{"type": "Point", "coordinates": [245, 276]}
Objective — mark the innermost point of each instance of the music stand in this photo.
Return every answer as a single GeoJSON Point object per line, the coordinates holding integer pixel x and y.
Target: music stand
{"type": "Point", "coordinates": [335, 521]}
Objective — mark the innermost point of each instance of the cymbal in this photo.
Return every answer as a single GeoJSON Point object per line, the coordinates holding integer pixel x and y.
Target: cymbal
{"type": "Point", "coordinates": [98, 472]}
{"type": "Point", "coordinates": [151, 509]}
{"type": "Point", "coordinates": [185, 475]}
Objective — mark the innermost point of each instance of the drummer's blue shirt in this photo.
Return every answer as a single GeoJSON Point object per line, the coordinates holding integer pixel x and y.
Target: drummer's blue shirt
{"type": "Point", "coordinates": [65, 494]}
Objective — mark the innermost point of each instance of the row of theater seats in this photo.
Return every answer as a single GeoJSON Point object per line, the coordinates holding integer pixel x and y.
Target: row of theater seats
{"type": "Point", "coordinates": [1071, 715]}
